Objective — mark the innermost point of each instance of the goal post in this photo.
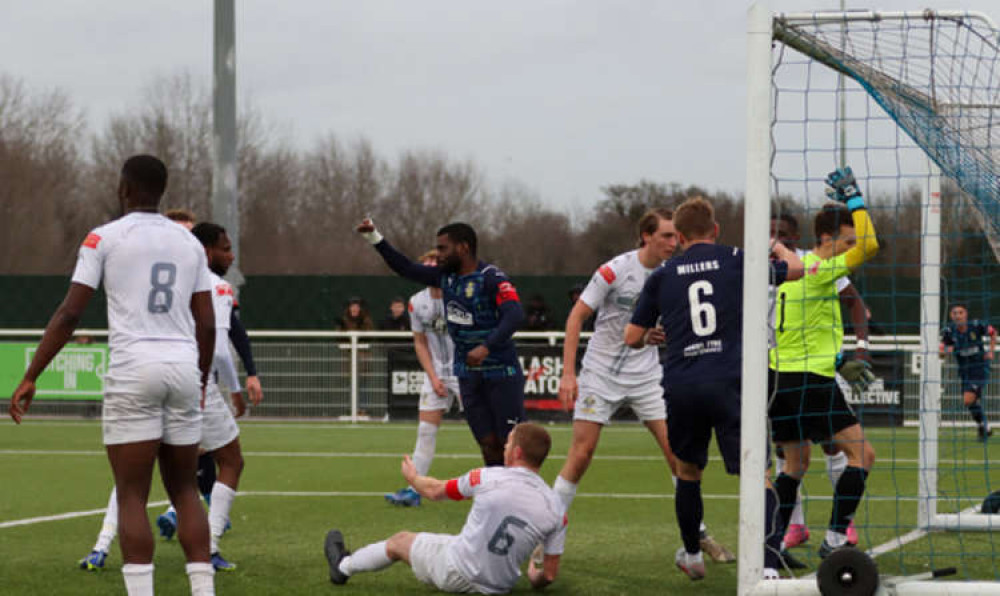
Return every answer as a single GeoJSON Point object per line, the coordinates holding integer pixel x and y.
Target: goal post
{"type": "Point", "coordinates": [925, 101]}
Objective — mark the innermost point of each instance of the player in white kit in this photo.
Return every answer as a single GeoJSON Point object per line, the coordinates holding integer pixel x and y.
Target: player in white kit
{"type": "Point", "coordinates": [615, 375]}
{"type": "Point", "coordinates": [514, 510]}
{"type": "Point", "coordinates": [161, 338]}
{"type": "Point", "coordinates": [435, 351]}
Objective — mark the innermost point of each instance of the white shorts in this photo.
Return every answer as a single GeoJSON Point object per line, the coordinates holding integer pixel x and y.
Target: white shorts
{"type": "Point", "coordinates": [600, 398]}
{"type": "Point", "coordinates": [218, 427]}
{"type": "Point", "coordinates": [152, 401]}
{"type": "Point", "coordinates": [429, 561]}
{"type": "Point", "coordinates": [431, 401]}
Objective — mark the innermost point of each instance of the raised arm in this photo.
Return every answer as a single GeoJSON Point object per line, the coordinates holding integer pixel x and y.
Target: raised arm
{"type": "Point", "coordinates": [844, 188]}
{"type": "Point", "coordinates": [422, 274]}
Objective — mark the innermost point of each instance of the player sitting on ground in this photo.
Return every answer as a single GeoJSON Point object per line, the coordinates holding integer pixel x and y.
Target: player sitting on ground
{"type": "Point", "coordinates": [964, 338]}
{"type": "Point", "coordinates": [514, 510]}
{"type": "Point", "coordinates": [807, 404]}
{"type": "Point", "coordinates": [785, 228]}
{"type": "Point", "coordinates": [161, 337]}
{"type": "Point", "coordinates": [698, 296]}
{"type": "Point", "coordinates": [615, 375]}
{"type": "Point", "coordinates": [483, 312]}
{"type": "Point", "coordinates": [435, 351]}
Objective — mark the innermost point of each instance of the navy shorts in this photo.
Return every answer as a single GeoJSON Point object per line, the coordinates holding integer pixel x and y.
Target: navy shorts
{"type": "Point", "coordinates": [492, 405]}
{"type": "Point", "coordinates": [693, 410]}
{"type": "Point", "coordinates": [973, 382]}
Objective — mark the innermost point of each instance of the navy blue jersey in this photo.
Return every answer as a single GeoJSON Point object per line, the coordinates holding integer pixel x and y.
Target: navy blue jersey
{"type": "Point", "coordinates": [481, 308]}
{"type": "Point", "coordinates": [698, 297]}
{"type": "Point", "coordinates": [968, 347]}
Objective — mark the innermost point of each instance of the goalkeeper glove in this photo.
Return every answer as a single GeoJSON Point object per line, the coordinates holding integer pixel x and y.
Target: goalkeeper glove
{"type": "Point", "coordinates": [858, 375]}
{"type": "Point", "coordinates": [373, 236]}
{"type": "Point", "coordinates": [844, 188]}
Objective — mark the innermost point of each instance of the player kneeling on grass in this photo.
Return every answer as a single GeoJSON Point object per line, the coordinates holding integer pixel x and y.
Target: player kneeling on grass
{"type": "Point", "coordinates": [513, 512]}
{"type": "Point", "coordinates": [808, 405]}
{"type": "Point", "coordinates": [698, 296]}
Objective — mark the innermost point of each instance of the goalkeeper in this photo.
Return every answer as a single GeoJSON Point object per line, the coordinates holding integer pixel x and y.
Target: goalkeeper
{"type": "Point", "coordinates": [807, 404]}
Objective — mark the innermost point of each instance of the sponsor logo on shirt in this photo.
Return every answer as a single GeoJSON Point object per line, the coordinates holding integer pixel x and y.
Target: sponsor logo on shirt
{"type": "Point", "coordinates": [475, 477]}
{"type": "Point", "coordinates": [458, 315]}
{"type": "Point", "coordinates": [607, 273]}
{"type": "Point", "coordinates": [814, 269]}
{"type": "Point", "coordinates": [91, 241]}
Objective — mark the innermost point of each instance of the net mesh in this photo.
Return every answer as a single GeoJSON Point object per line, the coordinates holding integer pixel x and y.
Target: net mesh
{"type": "Point", "coordinates": [885, 96]}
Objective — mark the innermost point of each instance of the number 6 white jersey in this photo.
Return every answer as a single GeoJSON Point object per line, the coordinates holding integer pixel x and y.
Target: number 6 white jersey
{"type": "Point", "coordinates": [150, 267]}
{"type": "Point", "coordinates": [612, 292]}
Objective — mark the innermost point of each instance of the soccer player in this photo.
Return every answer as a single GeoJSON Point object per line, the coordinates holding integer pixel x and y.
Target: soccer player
{"type": "Point", "coordinates": [698, 297]}
{"type": "Point", "coordinates": [162, 333]}
{"type": "Point", "coordinates": [514, 510]}
{"type": "Point", "coordinates": [613, 374]}
{"type": "Point", "coordinates": [807, 404]}
{"type": "Point", "coordinates": [435, 351]}
{"type": "Point", "coordinates": [483, 311]}
{"type": "Point", "coordinates": [785, 228]}
{"type": "Point", "coordinates": [964, 339]}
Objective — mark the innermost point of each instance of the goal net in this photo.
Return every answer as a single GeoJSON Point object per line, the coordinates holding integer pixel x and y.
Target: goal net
{"type": "Point", "coordinates": [911, 102]}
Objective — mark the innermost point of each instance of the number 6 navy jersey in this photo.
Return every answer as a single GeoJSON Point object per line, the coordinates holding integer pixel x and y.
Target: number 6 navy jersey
{"type": "Point", "coordinates": [150, 267]}
{"type": "Point", "coordinates": [698, 297]}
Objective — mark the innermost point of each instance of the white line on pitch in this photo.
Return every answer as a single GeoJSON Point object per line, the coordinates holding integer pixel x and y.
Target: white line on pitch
{"type": "Point", "coordinates": [380, 455]}
{"type": "Point", "coordinates": [61, 516]}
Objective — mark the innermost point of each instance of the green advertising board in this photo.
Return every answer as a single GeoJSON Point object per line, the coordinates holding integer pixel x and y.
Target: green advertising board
{"type": "Point", "coordinates": [76, 373]}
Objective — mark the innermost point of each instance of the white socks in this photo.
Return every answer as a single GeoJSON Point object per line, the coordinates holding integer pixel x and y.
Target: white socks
{"type": "Point", "coordinates": [835, 466]}
{"type": "Point", "coordinates": [218, 512]}
{"type": "Point", "coordinates": [202, 578]}
{"type": "Point", "coordinates": [110, 527]}
{"type": "Point", "coordinates": [138, 579]}
{"type": "Point", "coordinates": [566, 491]}
{"type": "Point", "coordinates": [835, 539]}
{"type": "Point", "coordinates": [368, 558]}
{"type": "Point", "coordinates": [423, 452]}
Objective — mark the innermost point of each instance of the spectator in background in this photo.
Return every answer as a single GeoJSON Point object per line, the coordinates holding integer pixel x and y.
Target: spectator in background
{"type": "Point", "coordinates": [356, 317]}
{"type": "Point", "coordinates": [574, 295]}
{"type": "Point", "coordinates": [397, 319]}
{"type": "Point", "coordinates": [537, 315]}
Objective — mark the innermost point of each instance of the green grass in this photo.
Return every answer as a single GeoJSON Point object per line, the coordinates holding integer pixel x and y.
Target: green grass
{"type": "Point", "coordinates": [622, 529]}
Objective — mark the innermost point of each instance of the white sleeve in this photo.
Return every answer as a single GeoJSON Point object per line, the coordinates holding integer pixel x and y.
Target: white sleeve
{"type": "Point", "coordinates": [843, 282]}
{"type": "Point", "coordinates": [600, 284]}
{"type": "Point", "coordinates": [203, 283]}
{"type": "Point", "coordinates": [222, 359]}
{"type": "Point", "coordinates": [90, 262]}
{"type": "Point", "coordinates": [415, 325]}
{"type": "Point", "coordinates": [556, 541]}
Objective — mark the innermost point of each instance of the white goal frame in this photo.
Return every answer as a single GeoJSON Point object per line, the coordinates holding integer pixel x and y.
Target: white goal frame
{"type": "Point", "coordinates": [760, 32]}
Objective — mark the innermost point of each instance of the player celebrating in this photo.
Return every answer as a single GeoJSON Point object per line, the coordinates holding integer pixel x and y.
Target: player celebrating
{"type": "Point", "coordinates": [613, 374]}
{"type": "Point", "coordinates": [161, 338]}
{"type": "Point", "coordinates": [434, 350]}
{"type": "Point", "coordinates": [808, 404]}
{"type": "Point", "coordinates": [513, 511]}
{"type": "Point", "coordinates": [699, 297]}
{"type": "Point", "coordinates": [483, 311]}
{"type": "Point", "coordinates": [964, 338]}
{"type": "Point", "coordinates": [785, 228]}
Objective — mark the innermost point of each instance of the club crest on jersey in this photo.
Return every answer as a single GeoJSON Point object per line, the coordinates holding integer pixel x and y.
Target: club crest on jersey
{"type": "Point", "coordinates": [814, 269]}
{"type": "Point", "coordinates": [470, 289]}
{"type": "Point", "coordinates": [972, 336]}
{"type": "Point", "coordinates": [587, 404]}
{"type": "Point", "coordinates": [458, 315]}
{"type": "Point", "coordinates": [224, 289]}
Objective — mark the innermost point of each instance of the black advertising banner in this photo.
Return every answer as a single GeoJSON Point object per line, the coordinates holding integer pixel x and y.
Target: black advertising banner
{"type": "Point", "coordinates": [882, 403]}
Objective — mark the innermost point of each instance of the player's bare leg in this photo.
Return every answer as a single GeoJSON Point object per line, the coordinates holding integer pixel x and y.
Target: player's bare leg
{"type": "Point", "coordinates": [492, 449]}
{"type": "Point", "coordinates": [229, 457]}
{"type": "Point", "coordinates": [586, 434]}
{"type": "Point", "coordinates": [178, 465]}
{"type": "Point", "coordinates": [132, 465]}
{"type": "Point", "coordinates": [851, 485]}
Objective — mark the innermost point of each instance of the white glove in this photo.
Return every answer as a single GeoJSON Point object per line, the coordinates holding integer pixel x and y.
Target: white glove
{"type": "Point", "coordinates": [373, 236]}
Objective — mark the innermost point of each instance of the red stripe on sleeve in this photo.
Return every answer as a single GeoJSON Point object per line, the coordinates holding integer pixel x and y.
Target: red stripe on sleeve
{"type": "Point", "coordinates": [451, 489]}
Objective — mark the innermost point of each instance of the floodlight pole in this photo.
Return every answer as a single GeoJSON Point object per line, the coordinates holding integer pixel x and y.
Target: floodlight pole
{"type": "Point", "coordinates": [225, 198]}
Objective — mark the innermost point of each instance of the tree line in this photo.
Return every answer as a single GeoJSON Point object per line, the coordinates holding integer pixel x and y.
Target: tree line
{"type": "Point", "coordinates": [298, 206]}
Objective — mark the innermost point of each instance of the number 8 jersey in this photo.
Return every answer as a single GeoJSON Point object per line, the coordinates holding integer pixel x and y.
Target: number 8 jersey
{"type": "Point", "coordinates": [150, 267]}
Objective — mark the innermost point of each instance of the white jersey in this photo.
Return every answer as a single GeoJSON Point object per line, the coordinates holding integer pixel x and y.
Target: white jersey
{"type": "Point", "coordinates": [150, 267]}
{"type": "Point", "coordinates": [427, 317]}
{"type": "Point", "coordinates": [514, 510]}
{"type": "Point", "coordinates": [772, 293]}
{"type": "Point", "coordinates": [612, 292]}
{"type": "Point", "coordinates": [223, 368]}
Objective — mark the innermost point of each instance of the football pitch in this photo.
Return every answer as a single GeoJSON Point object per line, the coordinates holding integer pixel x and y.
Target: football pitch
{"type": "Point", "coordinates": [303, 478]}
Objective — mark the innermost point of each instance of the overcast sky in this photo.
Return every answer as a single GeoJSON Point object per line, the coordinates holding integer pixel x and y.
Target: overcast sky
{"type": "Point", "coordinates": [564, 97]}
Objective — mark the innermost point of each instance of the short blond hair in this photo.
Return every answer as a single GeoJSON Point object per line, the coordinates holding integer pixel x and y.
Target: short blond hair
{"type": "Point", "coordinates": [695, 218]}
{"type": "Point", "coordinates": [180, 215]}
{"type": "Point", "coordinates": [431, 254]}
